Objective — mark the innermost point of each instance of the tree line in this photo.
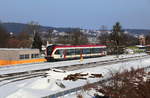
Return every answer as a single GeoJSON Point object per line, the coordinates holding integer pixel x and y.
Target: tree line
{"type": "Point", "coordinates": [22, 40]}
{"type": "Point", "coordinates": [31, 37]}
{"type": "Point", "coordinates": [117, 40]}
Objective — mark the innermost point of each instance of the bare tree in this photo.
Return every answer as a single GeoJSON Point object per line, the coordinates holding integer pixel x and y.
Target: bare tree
{"type": "Point", "coordinates": [63, 40]}
{"type": "Point", "coordinates": [23, 36]}
{"type": "Point", "coordinates": [74, 37]}
{"type": "Point", "coordinates": [104, 38]}
{"type": "Point", "coordinates": [103, 28]}
{"type": "Point", "coordinates": [4, 36]}
{"type": "Point", "coordinates": [32, 27]}
{"type": "Point", "coordinates": [79, 38]}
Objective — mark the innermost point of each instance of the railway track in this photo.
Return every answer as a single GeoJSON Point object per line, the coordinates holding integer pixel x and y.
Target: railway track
{"type": "Point", "coordinates": [100, 63]}
{"type": "Point", "coordinates": [18, 76]}
{"type": "Point", "coordinates": [14, 77]}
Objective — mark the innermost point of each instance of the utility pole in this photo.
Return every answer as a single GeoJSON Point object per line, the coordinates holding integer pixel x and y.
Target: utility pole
{"type": "Point", "coordinates": [50, 31]}
{"type": "Point", "coordinates": [33, 38]}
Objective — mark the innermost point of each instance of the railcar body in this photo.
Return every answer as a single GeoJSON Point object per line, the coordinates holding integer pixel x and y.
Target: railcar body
{"type": "Point", "coordinates": [61, 52]}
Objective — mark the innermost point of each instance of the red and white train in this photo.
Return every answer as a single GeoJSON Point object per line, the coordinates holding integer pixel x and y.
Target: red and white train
{"type": "Point", "coordinates": [65, 52]}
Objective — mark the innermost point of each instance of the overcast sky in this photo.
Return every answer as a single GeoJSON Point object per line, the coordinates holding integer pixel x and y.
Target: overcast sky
{"type": "Point", "coordinates": [89, 14]}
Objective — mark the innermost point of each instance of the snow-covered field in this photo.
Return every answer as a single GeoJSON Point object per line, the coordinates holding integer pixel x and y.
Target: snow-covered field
{"type": "Point", "coordinates": [36, 66]}
{"type": "Point", "coordinates": [44, 86]}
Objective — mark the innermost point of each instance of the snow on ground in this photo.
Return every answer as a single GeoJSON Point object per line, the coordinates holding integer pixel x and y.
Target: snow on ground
{"type": "Point", "coordinates": [36, 89]}
{"type": "Point", "coordinates": [36, 66]}
{"type": "Point", "coordinates": [40, 87]}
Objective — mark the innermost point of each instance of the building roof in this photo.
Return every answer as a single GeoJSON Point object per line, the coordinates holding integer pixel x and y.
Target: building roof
{"type": "Point", "coordinates": [17, 49]}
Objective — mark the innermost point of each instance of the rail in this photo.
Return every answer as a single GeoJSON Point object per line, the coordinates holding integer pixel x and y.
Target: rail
{"type": "Point", "coordinates": [12, 77]}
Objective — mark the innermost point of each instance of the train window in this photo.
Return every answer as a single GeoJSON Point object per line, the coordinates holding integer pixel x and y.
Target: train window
{"type": "Point", "coordinates": [101, 50]}
{"type": "Point", "coordinates": [96, 50]}
{"type": "Point", "coordinates": [57, 52]}
{"type": "Point", "coordinates": [61, 51]}
{"type": "Point", "coordinates": [92, 50]}
{"type": "Point", "coordinates": [49, 50]}
{"type": "Point", "coordinates": [70, 52]}
{"type": "Point", "coordinates": [87, 51]}
{"type": "Point", "coordinates": [77, 52]}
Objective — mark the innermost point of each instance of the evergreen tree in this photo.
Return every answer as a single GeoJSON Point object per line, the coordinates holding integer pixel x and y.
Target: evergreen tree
{"type": "Point", "coordinates": [117, 39]}
{"type": "Point", "coordinates": [37, 42]}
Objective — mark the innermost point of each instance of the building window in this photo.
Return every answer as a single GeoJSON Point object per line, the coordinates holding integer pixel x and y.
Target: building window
{"type": "Point", "coordinates": [34, 55]}
{"type": "Point", "coordinates": [24, 56]}
{"type": "Point", "coordinates": [21, 57]}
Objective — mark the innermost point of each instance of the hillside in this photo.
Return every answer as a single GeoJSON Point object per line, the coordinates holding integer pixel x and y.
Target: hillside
{"type": "Point", "coordinates": [18, 27]}
{"type": "Point", "coordinates": [14, 27]}
{"type": "Point", "coordinates": [138, 31]}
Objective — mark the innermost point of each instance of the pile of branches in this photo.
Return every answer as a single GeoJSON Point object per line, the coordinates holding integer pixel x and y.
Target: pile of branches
{"type": "Point", "coordinates": [77, 76]}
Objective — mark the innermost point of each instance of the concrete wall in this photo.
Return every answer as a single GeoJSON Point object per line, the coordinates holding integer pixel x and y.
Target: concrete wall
{"type": "Point", "coordinates": [12, 56]}
{"type": "Point", "coordinates": [8, 55]}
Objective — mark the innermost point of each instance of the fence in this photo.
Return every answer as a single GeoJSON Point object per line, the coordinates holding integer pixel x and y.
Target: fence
{"type": "Point", "coordinates": [59, 94]}
{"type": "Point", "coordinates": [63, 93]}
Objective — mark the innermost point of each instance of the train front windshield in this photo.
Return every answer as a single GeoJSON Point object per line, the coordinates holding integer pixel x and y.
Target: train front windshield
{"type": "Point", "coordinates": [50, 50]}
